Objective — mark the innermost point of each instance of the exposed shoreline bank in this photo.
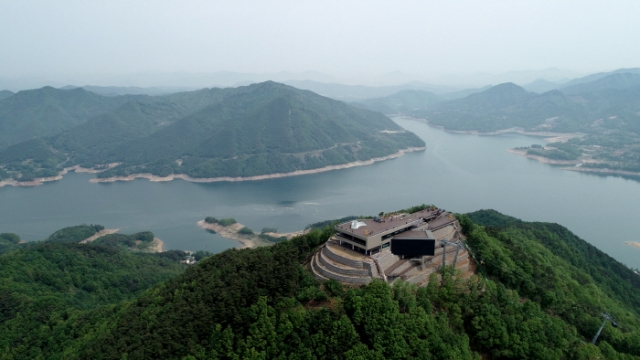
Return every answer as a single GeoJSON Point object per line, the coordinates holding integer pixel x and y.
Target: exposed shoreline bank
{"type": "Point", "coordinates": [61, 174]}
{"type": "Point", "coordinates": [602, 171]}
{"type": "Point", "coordinates": [155, 178]}
{"type": "Point", "coordinates": [99, 234]}
{"type": "Point", "coordinates": [247, 241]}
{"type": "Point", "coordinates": [575, 168]}
{"type": "Point", "coordinates": [543, 159]}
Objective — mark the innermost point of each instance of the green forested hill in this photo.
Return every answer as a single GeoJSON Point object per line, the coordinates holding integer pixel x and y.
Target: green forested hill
{"type": "Point", "coordinates": [269, 128]}
{"type": "Point", "coordinates": [253, 130]}
{"type": "Point", "coordinates": [48, 284]}
{"type": "Point", "coordinates": [542, 298]}
{"type": "Point", "coordinates": [47, 111]}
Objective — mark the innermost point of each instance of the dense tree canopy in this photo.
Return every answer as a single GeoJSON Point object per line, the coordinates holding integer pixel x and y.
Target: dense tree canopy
{"type": "Point", "coordinates": [539, 294]}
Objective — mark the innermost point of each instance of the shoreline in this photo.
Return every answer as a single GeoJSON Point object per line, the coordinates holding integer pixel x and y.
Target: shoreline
{"type": "Point", "coordinates": [154, 178]}
{"type": "Point", "coordinates": [247, 241]}
{"type": "Point", "coordinates": [603, 171]}
{"type": "Point", "coordinates": [229, 232]}
{"type": "Point", "coordinates": [543, 159]}
{"type": "Point", "coordinates": [172, 177]}
{"type": "Point", "coordinates": [61, 174]}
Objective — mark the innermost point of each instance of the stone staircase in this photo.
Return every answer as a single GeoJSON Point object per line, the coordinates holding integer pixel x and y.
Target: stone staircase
{"type": "Point", "coordinates": [332, 263]}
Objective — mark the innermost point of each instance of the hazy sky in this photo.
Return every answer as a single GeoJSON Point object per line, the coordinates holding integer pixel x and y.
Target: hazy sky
{"type": "Point", "coordinates": [53, 38]}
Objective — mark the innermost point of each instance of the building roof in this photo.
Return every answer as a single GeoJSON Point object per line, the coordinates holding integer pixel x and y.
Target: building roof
{"type": "Point", "coordinates": [372, 227]}
{"type": "Point", "coordinates": [415, 235]}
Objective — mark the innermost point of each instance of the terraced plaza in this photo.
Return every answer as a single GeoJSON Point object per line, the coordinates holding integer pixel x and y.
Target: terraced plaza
{"type": "Point", "coordinates": [361, 250]}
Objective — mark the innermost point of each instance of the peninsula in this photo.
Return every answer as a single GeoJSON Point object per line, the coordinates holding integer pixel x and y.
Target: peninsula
{"type": "Point", "coordinates": [230, 229]}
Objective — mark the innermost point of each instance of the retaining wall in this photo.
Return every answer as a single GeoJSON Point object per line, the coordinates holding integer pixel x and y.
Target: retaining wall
{"type": "Point", "coordinates": [342, 270]}
{"type": "Point", "coordinates": [342, 278]}
{"type": "Point", "coordinates": [341, 259]}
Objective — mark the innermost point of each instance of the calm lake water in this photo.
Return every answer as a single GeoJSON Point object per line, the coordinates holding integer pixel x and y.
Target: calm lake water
{"type": "Point", "coordinates": [461, 173]}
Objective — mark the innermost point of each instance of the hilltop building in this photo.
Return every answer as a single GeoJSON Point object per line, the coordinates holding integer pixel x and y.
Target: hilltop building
{"type": "Point", "coordinates": [406, 246]}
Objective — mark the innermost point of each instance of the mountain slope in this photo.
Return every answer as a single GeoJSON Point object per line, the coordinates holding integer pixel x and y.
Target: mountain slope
{"type": "Point", "coordinates": [267, 128]}
{"type": "Point", "coordinates": [597, 76]}
{"type": "Point", "coordinates": [47, 111]}
{"type": "Point", "coordinates": [614, 81]}
{"type": "Point", "coordinates": [247, 131]}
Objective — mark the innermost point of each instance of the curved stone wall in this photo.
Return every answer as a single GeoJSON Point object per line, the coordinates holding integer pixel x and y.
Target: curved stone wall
{"type": "Point", "coordinates": [342, 270]}
{"type": "Point", "coordinates": [342, 278]}
{"type": "Point", "coordinates": [341, 259]}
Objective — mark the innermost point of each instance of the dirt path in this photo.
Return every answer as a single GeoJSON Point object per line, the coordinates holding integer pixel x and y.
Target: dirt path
{"type": "Point", "coordinates": [99, 234]}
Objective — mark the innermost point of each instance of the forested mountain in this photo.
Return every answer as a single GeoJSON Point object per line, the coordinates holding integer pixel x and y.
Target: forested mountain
{"type": "Point", "coordinates": [405, 101]}
{"type": "Point", "coordinates": [540, 294]}
{"type": "Point", "coordinates": [129, 90]}
{"type": "Point", "coordinates": [253, 130]}
{"type": "Point", "coordinates": [508, 105]}
{"type": "Point", "coordinates": [43, 112]}
{"type": "Point", "coordinates": [617, 81]}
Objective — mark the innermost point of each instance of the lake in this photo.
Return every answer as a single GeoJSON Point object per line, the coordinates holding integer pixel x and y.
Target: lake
{"type": "Point", "coordinates": [460, 173]}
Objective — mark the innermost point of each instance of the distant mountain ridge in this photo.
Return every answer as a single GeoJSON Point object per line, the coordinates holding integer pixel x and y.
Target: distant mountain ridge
{"type": "Point", "coordinates": [254, 130]}
{"type": "Point", "coordinates": [130, 90]}
{"type": "Point", "coordinates": [569, 109]}
{"type": "Point", "coordinates": [617, 81]}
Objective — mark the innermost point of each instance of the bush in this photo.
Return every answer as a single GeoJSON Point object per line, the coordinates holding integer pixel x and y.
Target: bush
{"type": "Point", "coordinates": [144, 236]}
{"type": "Point", "coordinates": [9, 238]}
{"type": "Point", "coordinates": [245, 231]}
{"type": "Point", "coordinates": [269, 230]}
{"type": "Point", "coordinates": [223, 222]}
{"type": "Point", "coordinates": [227, 222]}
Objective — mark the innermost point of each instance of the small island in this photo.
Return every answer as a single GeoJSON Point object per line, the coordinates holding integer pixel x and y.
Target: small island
{"type": "Point", "coordinates": [229, 228]}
